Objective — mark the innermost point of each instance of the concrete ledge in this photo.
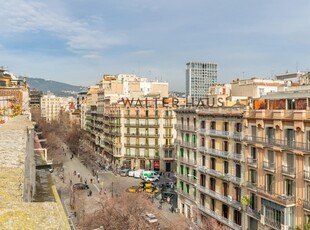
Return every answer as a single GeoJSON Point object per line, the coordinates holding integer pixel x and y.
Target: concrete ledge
{"type": "Point", "coordinates": [60, 207]}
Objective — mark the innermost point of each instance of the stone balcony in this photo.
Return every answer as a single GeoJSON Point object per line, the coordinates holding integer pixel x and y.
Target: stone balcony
{"type": "Point", "coordinates": [220, 218]}
{"type": "Point", "coordinates": [218, 196]}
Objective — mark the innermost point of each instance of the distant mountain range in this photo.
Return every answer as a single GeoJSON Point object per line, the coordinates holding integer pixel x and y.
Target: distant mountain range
{"type": "Point", "coordinates": [55, 87]}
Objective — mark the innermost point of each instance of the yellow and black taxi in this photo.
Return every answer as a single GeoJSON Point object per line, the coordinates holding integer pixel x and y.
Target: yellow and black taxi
{"type": "Point", "coordinates": [152, 189]}
{"type": "Point", "coordinates": [134, 189]}
{"type": "Point", "coordinates": [145, 185]}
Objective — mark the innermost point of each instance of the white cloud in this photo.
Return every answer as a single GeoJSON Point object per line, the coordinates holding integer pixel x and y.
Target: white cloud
{"type": "Point", "coordinates": [143, 52]}
{"type": "Point", "coordinates": [19, 16]}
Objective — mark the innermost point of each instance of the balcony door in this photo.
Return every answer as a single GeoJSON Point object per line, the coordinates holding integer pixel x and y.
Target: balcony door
{"type": "Point", "coordinates": [269, 183]}
{"type": "Point", "coordinates": [225, 211]}
{"type": "Point", "coordinates": [225, 189]}
{"type": "Point", "coordinates": [308, 140]}
{"type": "Point", "coordinates": [289, 136]}
{"type": "Point", "coordinates": [253, 132]}
{"type": "Point", "coordinates": [270, 135]}
{"type": "Point", "coordinates": [238, 170]}
{"type": "Point", "coordinates": [307, 191]}
{"type": "Point", "coordinates": [289, 187]}
{"type": "Point", "coordinates": [253, 153]}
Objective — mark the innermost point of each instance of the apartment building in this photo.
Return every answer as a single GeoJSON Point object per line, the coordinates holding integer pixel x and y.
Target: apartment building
{"type": "Point", "coordinates": [14, 96]}
{"type": "Point", "coordinates": [50, 107]}
{"type": "Point", "coordinates": [254, 87]}
{"type": "Point", "coordinates": [277, 137]}
{"type": "Point", "coordinates": [139, 137]}
{"type": "Point", "coordinates": [35, 98]}
{"type": "Point", "coordinates": [300, 77]}
{"type": "Point", "coordinates": [210, 163]}
{"type": "Point", "coordinates": [132, 123]}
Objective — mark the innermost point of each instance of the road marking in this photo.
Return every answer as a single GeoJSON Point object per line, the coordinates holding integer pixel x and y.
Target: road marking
{"type": "Point", "coordinates": [97, 188]}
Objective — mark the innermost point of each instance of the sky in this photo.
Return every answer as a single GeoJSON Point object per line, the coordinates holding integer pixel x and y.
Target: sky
{"type": "Point", "coordinates": [77, 41]}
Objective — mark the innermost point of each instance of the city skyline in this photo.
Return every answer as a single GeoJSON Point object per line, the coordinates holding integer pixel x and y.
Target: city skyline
{"type": "Point", "coordinates": [77, 42]}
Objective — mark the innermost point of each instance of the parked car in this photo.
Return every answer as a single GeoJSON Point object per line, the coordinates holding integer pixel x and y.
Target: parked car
{"type": "Point", "coordinates": [151, 218]}
{"type": "Point", "coordinates": [138, 173]}
{"type": "Point", "coordinates": [128, 172]}
{"type": "Point", "coordinates": [145, 184]}
{"type": "Point", "coordinates": [152, 189]}
{"type": "Point", "coordinates": [123, 172]}
{"type": "Point", "coordinates": [131, 173]}
{"type": "Point", "coordinates": [80, 186]}
{"type": "Point", "coordinates": [151, 179]}
{"type": "Point", "coordinates": [134, 189]}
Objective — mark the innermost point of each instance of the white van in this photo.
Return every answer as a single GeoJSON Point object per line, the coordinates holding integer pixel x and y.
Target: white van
{"type": "Point", "coordinates": [138, 173]}
{"type": "Point", "coordinates": [149, 174]}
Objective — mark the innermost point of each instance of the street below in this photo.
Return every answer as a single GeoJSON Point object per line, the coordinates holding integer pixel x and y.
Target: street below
{"type": "Point", "coordinates": [105, 183]}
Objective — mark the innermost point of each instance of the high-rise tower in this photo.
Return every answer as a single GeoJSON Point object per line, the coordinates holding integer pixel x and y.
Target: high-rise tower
{"type": "Point", "coordinates": [199, 77]}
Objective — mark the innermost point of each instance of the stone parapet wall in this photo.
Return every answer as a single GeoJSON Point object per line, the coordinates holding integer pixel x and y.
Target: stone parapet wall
{"type": "Point", "coordinates": [17, 181]}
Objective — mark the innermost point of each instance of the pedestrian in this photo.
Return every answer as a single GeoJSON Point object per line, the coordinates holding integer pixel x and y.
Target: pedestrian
{"type": "Point", "coordinates": [91, 180]}
{"type": "Point", "coordinates": [98, 180]}
{"type": "Point", "coordinates": [85, 181]}
{"type": "Point", "coordinates": [89, 193]}
{"type": "Point", "coordinates": [70, 182]}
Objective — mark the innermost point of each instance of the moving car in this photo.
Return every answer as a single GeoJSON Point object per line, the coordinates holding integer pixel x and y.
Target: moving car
{"type": "Point", "coordinates": [134, 189]}
{"type": "Point", "coordinates": [80, 186]}
{"type": "Point", "coordinates": [151, 218]}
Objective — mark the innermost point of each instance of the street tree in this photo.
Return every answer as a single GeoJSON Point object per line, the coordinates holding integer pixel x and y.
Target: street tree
{"type": "Point", "coordinates": [121, 212]}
